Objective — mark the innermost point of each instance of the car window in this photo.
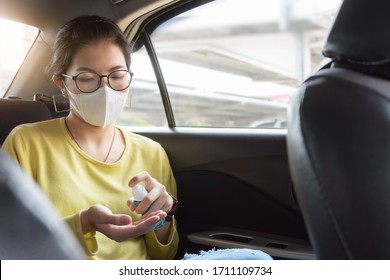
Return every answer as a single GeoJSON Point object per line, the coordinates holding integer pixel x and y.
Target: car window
{"type": "Point", "coordinates": [235, 63]}
{"type": "Point", "coordinates": [144, 105]}
{"type": "Point", "coordinates": [16, 39]}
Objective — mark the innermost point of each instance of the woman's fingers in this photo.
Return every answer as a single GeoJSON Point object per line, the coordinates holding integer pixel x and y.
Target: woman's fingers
{"type": "Point", "coordinates": [122, 232]}
{"type": "Point", "coordinates": [157, 197]}
{"type": "Point", "coordinates": [120, 227]}
{"type": "Point", "coordinates": [143, 176]}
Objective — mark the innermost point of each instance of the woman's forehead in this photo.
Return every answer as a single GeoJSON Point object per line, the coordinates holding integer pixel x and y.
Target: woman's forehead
{"type": "Point", "coordinates": [98, 56]}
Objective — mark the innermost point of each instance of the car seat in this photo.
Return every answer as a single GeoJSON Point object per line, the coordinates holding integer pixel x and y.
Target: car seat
{"type": "Point", "coordinates": [339, 138]}
{"type": "Point", "coordinates": [30, 226]}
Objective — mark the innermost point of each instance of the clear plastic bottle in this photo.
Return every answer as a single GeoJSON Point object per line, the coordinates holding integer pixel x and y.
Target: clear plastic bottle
{"type": "Point", "coordinates": [139, 193]}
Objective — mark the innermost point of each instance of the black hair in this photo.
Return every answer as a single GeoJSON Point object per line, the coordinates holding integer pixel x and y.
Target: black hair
{"type": "Point", "coordinates": [82, 31]}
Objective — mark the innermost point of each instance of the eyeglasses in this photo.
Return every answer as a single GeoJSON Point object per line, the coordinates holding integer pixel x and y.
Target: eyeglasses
{"type": "Point", "coordinates": [88, 82]}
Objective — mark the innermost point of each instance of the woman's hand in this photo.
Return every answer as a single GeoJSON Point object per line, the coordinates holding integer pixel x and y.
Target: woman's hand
{"type": "Point", "coordinates": [118, 227]}
{"type": "Point", "coordinates": [157, 194]}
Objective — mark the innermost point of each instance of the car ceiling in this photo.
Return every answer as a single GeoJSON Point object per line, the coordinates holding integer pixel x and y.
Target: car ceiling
{"type": "Point", "coordinates": [49, 15]}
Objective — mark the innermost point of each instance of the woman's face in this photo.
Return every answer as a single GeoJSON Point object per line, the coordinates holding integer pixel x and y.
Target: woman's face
{"type": "Point", "coordinates": [101, 57]}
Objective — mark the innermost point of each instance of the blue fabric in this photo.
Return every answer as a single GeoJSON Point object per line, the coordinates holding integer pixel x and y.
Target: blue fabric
{"type": "Point", "coordinates": [229, 254]}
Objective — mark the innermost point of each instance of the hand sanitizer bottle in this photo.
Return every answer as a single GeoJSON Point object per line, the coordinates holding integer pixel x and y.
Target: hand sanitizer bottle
{"type": "Point", "coordinates": [139, 193]}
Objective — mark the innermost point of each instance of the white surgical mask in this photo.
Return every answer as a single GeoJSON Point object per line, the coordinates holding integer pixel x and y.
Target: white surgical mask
{"type": "Point", "coordinates": [99, 108]}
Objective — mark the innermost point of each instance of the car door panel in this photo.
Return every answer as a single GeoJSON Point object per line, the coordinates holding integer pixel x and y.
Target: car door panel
{"type": "Point", "coordinates": [232, 184]}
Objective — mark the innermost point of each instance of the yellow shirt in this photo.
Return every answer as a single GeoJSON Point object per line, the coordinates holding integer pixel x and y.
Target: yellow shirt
{"type": "Point", "coordinates": [74, 181]}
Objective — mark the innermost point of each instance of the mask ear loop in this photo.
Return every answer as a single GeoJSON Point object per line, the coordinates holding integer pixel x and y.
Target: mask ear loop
{"type": "Point", "coordinates": [61, 103]}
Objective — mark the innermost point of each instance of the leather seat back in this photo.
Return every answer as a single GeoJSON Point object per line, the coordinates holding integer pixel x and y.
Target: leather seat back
{"type": "Point", "coordinates": [339, 138]}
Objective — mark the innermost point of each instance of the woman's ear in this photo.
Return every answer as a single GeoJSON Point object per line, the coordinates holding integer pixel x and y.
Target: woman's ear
{"type": "Point", "coordinates": [60, 84]}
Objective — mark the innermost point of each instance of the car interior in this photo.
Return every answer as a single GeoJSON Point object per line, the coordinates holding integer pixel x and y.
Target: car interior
{"type": "Point", "coordinates": [314, 190]}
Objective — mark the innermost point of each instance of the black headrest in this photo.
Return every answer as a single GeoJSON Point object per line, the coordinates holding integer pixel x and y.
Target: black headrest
{"type": "Point", "coordinates": [15, 112]}
{"type": "Point", "coordinates": [360, 32]}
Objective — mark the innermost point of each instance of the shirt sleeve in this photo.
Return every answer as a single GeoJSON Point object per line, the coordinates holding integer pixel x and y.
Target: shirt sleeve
{"type": "Point", "coordinates": [15, 146]}
{"type": "Point", "coordinates": [158, 251]}
{"type": "Point", "coordinates": [88, 241]}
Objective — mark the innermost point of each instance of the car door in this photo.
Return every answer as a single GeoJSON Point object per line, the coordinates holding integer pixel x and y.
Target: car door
{"type": "Point", "coordinates": [212, 84]}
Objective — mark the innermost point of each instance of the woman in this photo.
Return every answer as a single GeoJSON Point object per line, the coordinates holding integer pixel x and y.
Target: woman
{"type": "Point", "coordinates": [85, 164]}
